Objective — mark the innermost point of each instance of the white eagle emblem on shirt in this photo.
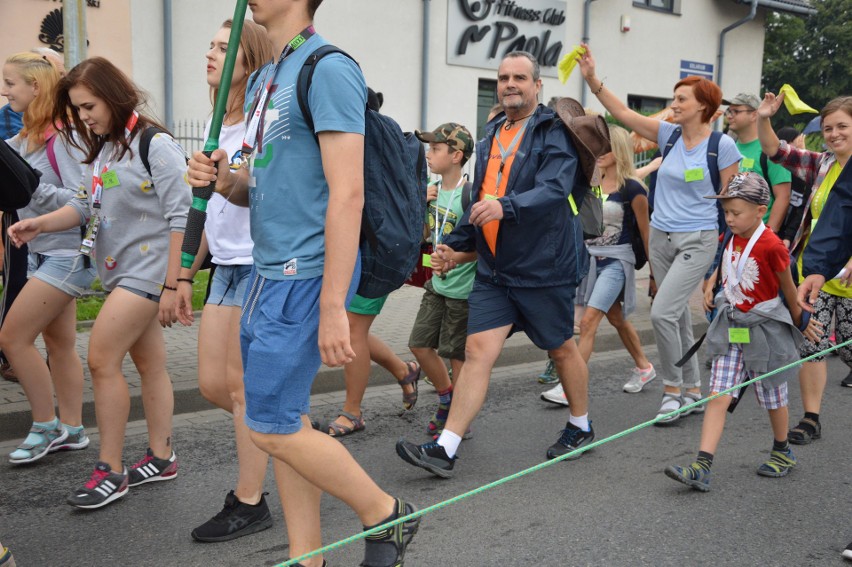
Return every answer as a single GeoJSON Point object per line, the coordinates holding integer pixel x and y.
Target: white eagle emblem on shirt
{"type": "Point", "coordinates": [750, 277]}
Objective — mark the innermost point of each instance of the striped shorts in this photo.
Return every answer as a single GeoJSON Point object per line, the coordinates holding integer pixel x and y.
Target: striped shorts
{"type": "Point", "coordinates": [728, 372]}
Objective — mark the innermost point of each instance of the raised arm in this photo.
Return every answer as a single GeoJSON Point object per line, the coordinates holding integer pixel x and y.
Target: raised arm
{"type": "Point", "coordinates": [642, 125]}
{"type": "Point", "coordinates": [770, 104]}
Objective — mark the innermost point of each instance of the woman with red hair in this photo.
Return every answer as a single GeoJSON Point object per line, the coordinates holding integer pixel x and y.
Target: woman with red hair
{"type": "Point", "coordinates": [684, 226]}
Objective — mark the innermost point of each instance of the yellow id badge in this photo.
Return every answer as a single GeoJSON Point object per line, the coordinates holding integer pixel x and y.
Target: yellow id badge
{"type": "Point", "coordinates": [489, 197]}
{"type": "Point", "coordinates": [109, 179]}
{"type": "Point", "coordinates": [427, 260]}
{"type": "Point", "coordinates": [747, 164]}
{"type": "Point", "coordinates": [738, 335]}
{"type": "Point", "coordinates": [695, 174]}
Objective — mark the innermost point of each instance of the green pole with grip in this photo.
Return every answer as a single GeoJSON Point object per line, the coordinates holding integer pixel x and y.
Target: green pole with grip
{"type": "Point", "coordinates": [201, 195]}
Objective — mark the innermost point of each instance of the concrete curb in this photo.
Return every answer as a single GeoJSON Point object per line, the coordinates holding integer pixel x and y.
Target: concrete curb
{"type": "Point", "coordinates": [187, 400]}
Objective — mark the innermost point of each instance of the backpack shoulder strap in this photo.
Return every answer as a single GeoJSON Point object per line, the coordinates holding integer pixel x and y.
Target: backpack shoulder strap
{"type": "Point", "coordinates": [306, 77]}
{"type": "Point", "coordinates": [50, 144]}
{"type": "Point", "coordinates": [145, 144]}
{"type": "Point", "coordinates": [764, 167]}
{"type": "Point", "coordinates": [671, 142]}
{"type": "Point", "coordinates": [713, 159]}
{"type": "Point", "coordinates": [467, 195]}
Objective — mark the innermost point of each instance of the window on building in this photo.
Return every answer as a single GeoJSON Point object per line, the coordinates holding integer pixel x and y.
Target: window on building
{"type": "Point", "coordinates": [486, 98]}
{"type": "Point", "coordinates": [671, 6]}
{"type": "Point", "coordinates": [646, 104]}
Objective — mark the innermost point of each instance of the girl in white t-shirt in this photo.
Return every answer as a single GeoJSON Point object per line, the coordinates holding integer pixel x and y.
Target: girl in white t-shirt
{"type": "Point", "coordinates": [227, 239]}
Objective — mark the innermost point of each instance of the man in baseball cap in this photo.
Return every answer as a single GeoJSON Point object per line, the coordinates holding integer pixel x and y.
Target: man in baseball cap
{"type": "Point", "coordinates": [454, 135]}
{"type": "Point", "coordinates": [741, 116]}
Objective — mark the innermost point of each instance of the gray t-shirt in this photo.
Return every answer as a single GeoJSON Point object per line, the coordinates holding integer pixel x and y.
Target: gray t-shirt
{"type": "Point", "coordinates": [53, 193]}
{"type": "Point", "coordinates": [138, 214]}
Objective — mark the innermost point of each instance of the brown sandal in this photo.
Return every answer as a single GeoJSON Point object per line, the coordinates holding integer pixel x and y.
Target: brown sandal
{"type": "Point", "coordinates": [410, 399]}
{"type": "Point", "coordinates": [335, 429]}
{"type": "Point", "coordinates": [806, 431]}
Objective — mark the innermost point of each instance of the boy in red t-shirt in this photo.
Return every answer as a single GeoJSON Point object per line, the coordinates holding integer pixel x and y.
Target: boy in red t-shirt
{"type": "Point", "coordinates": [753, 332]}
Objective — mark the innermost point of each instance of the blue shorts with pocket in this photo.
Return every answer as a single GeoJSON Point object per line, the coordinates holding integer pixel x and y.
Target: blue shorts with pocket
{"type": "Point", "coordinates": [279, 334]}
{"type": "Point", "coordinates": [545, 314]}
{"type": "Point", "coordinates": [228, 288]}
{"type": "Point", "coordinates": [68, 274]}
{"type": "Point", "coordinates": [609, 286]}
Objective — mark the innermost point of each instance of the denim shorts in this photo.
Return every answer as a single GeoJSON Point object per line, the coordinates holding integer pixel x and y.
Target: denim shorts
{"type": "Point", "coordinates": [68, 274]}
{"type": "Point", "coordinates": [545, 314]}
{"type": "Point", "coordinates": [279, 333]}
{"type": "Point", "coordinates": [140, 293]}
{"type": "Point", "coordinates": [609, 286]}
{"type": "Point", "coordinates": [229, 285]}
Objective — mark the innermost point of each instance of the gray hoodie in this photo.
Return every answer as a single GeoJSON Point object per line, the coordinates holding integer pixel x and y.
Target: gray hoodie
{"type": "Point", "coordinates": [139, 214]}
{"type": "Point", "coordinates": [53, 193]}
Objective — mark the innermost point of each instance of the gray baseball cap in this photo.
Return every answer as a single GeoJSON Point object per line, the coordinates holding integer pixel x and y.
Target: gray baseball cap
{"type": "Point", "coordinates": [744, 99]}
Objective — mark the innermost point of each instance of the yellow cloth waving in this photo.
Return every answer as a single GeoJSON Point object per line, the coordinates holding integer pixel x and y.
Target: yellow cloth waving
{"type": "Point", "coordinates": [568, 62]}
{"type": "Point", "coordinates": [793, 103]}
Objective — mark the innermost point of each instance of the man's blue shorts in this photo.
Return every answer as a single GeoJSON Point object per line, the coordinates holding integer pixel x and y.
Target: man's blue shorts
{"type": "Point", "coordinates": [279, 333]}
{"type": "Point", "coordinates": [545, 314]}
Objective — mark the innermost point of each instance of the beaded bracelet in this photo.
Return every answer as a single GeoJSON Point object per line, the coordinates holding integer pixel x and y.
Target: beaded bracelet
{"type": "Point", "coordinates": [600, 88]}
{"type": "Point", "coordinates": [170, 288]}
{"type": "Point", "coordinates": [188, 280]}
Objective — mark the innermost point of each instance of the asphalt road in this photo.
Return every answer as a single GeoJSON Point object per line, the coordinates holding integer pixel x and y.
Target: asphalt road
{"type": "Point", "coordinates": [612, 507]}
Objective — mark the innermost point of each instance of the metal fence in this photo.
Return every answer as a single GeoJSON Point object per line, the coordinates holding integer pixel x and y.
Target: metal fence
{"type": "Point", "coordinates": [190, 135]}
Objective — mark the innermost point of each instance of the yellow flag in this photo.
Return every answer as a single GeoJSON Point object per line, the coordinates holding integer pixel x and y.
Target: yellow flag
{"type": "Point", "coordinates": [793, 103]}
{"type": "Point", "coordinates": [568, 62]}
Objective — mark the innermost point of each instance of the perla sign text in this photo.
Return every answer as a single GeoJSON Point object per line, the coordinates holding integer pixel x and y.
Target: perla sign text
{"type": "Point", "coordinates": [481, 32]}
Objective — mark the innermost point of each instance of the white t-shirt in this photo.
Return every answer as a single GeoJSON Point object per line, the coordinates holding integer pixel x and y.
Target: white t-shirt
{"type": "Point", "coordinates": [227, 225]}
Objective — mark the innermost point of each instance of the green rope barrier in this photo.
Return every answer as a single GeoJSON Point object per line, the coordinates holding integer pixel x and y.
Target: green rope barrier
{"type": "Point", "coordinates": [540, 466]}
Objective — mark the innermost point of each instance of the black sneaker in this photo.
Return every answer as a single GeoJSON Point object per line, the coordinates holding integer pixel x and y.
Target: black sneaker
{"type": "Point", "coordinates": [429, 456]}
{"type": "Point", "coordinates": [572, 438]}
{"type": "Point", "coordinates": [102, 488]}
{"type": "Point", "coordinates": [847, 382]}
{"type": "Point", "coordinates": [387, 547]}
{"type": "Point", "coordinates": [847, 553]}
{"type": "Point", "coordinates": [236, 519]}
{"type": "Point", "coordinates": [152, 469]}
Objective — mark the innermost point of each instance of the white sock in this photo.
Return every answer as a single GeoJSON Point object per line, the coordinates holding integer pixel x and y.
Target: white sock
{"type": "Point", "coordinates": [450, 442]}
{"type": "Point", "coordinates": [581, 421]}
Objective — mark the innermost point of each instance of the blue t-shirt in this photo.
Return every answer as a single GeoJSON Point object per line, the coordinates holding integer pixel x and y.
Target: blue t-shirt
{"type": "Point", "coordinates": [10, 123]}
{"type": "Point", "coordinates": [288, 192]}
{"type": "Point", "coordinates": [680, 206]}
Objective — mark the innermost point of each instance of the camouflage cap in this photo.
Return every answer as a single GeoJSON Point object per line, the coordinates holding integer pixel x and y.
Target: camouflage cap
{"type": "Point", "coordinates": [744, 99]}
{"type": "Point", "coordinates": [748, 186]}
{"type": "Point", "coordinates": [454, 135]}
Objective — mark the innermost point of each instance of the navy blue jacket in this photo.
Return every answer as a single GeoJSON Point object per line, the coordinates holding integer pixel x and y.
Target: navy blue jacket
{"type": "Point", "coordinates": [830, 245]}
{"type": "Point", "coordinates": [540, 242]}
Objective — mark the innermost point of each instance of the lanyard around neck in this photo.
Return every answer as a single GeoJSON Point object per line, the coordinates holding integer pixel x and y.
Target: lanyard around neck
{"type": "Point", "coordinates": [254, 131]}
{"type": "Point", "coordinates": [97, 172]}
{"type": "Point", "coordinates": [505, 153]}
{"type": "Point", "coordinates": [440, 231]}
{"type": "Point", "coordinates": [734, 276]}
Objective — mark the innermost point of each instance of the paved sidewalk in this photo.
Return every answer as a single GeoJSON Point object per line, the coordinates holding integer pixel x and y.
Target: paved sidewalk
{"type": "Point", "coordinates": [393, 326]}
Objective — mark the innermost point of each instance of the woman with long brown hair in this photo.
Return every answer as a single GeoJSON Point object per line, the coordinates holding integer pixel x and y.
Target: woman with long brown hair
{"type": "Point", "coordinates": [134, 213]}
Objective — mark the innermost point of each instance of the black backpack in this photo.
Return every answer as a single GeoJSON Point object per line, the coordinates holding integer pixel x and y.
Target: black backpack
{"type": "Point", "coordinates": [394, 197]}
{"type": "Point", "coordinates": [18, 179]}
{"type": "Point", "coordinates": [636, 237]}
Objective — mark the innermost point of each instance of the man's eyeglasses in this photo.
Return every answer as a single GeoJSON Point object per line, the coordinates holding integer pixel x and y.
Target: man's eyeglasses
{"type": "Point", "coordinates": [734, 111]}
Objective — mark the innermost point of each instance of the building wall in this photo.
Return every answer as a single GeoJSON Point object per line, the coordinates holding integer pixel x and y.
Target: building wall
{"type": "Point", "coordinates": [385, 36]}
{"type": "Point", "coordinates": [108, 28]}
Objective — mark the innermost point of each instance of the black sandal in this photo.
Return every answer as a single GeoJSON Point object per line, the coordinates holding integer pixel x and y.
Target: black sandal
{"type": "Point", "coordinates": [808, 430]}
{"type": "Point", "coordinates": [409, 400]}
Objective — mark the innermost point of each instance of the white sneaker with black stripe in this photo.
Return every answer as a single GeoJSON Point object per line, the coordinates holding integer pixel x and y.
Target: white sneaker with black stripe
{"type": "Point", "coordinates": [152, 469]}
{"type": "Point", "coordinates": [102, 488]}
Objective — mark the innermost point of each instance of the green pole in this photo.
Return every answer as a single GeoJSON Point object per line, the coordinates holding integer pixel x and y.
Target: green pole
{"type": "Point", "coordinates": [201, 195]}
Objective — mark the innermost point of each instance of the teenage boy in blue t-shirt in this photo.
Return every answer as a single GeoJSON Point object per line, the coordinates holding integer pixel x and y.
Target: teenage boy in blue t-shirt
{"type": "Point", "coordinates": [440, 329]}
{"type": "Point", "coordinates": [295, 309]}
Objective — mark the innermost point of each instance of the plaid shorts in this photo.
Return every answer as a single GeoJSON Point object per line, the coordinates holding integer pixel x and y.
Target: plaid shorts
{"type": "Point", "coordinates": [728, 372]}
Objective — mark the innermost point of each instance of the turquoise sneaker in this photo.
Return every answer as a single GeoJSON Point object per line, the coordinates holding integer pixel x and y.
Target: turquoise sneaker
{"type": "Point", "coordinates": [549, 376]}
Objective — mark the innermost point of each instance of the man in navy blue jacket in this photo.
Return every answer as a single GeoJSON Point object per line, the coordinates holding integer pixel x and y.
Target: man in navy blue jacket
{"type": "Point", "coordinates": [530, 259]}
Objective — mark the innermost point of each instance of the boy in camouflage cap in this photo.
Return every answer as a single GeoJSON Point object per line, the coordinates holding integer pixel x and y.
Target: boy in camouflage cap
{"type": "Point", "coordinates": [440, 329]}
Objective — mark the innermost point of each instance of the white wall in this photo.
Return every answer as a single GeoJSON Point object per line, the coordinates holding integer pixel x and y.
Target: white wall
{"type": "Point", "coordinates": [385, 36]}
